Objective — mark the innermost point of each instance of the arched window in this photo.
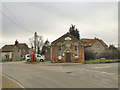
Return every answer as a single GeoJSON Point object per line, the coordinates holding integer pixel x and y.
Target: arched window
{"type": "Point", "coordinates": [68, 51]}
{"type": "Point", "coordinates": [59, 50]}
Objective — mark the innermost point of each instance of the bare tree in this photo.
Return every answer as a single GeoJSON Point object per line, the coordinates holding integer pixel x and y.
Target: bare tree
{"type": "Point", "coordinates": [39, 43]}
{"type": "Point", "coordinates": [31, 42]}
{"type": "Point", "coordinates": [36, 42]}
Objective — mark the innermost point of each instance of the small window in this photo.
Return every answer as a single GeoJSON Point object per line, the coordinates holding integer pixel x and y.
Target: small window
{"type": "Point", "coordinates": [68, 45]}
{"type": "Point", "coordinates": [98, 46]}
{"type": "Point", "coordinates": [7, 56]}
{"type": "Point", "coordinates": [23, 50]}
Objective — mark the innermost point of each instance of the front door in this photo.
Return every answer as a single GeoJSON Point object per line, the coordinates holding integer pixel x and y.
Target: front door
{"type": "Point", "coordinates": [68, 57]}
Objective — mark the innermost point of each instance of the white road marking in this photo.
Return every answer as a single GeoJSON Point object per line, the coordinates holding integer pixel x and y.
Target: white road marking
{"type": "Point", "coordinates": [102, 67]}
{"type": "Point", "coordinates": [100, 72]}
{"type": "Point", "coordinates": [87, 70]}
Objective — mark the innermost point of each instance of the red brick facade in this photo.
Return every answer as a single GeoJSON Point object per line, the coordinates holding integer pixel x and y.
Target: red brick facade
{"type": "Point", "coordinates": [71, 49]}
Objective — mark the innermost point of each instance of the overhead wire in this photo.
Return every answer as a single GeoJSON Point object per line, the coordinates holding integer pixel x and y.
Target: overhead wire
{"type": "Point", "coordinates": [19, 24]}
{"type": "Point", "coordinates": [18, 36]}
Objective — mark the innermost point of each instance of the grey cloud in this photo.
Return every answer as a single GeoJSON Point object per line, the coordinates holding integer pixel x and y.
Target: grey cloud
{"type": "Point", "coordinates": [54, 19]}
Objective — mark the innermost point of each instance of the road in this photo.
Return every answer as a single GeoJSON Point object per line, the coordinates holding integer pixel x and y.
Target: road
{"type": "Point", "coordinates": [63, 75]}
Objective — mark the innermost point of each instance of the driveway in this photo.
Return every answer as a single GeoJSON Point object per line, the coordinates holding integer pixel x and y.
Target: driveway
{"type": "Point", "coordinates": [62, 75]}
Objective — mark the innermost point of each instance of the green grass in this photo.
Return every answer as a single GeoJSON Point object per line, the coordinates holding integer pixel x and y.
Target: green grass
{"type": "Point", "coordinates": [32, 63]}
{"type": "Point", "coordinates": [101, 61]}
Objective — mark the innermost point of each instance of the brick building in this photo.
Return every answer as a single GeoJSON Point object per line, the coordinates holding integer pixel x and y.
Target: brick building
{"type": "Point", "coordinates": [95, 45]}
{"type": "Point", "coordinates": [67, 48]}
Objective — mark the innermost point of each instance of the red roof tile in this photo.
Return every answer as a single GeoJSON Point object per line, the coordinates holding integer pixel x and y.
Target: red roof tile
{"type": "Point", "coordinates": [89, 42]}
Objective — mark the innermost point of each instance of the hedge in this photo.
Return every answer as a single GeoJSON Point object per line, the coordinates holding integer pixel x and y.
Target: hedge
{"type": "Point", "coordinates": [101, 61]}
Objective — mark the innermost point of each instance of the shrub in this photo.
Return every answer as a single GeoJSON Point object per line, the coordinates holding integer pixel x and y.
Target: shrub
{"type": "Point", "coordinates": [89, 55]}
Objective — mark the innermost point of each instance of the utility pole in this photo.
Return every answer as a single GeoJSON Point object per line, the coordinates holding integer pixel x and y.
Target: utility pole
{"type": "Point", "coordinates": [35, 42]}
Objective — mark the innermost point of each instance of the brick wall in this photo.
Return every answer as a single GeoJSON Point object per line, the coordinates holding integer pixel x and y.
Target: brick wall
{"type": "Point", "coordinates": [74, 59]}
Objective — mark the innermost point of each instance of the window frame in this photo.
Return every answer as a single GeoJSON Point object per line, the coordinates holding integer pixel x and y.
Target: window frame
{"type": "Point", "coordinates": [59, 50]}
{"type": "Point", "coordinates": [76, 50]}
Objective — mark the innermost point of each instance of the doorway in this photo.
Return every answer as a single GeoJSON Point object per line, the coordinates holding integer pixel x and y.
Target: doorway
{"type": "Point", "coordinates": [68, 57]}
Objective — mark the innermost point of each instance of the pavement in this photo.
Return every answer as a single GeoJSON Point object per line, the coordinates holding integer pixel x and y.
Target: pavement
{"type": "Point", "coordinates": [63, 75]}
{"type": "Point", "coordinates": [9, 83]}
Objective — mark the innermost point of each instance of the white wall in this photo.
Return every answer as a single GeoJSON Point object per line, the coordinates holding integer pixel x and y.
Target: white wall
{"type": "Point", "coordinates": [3, 55]}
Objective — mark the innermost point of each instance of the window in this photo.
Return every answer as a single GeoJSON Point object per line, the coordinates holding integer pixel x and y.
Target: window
{"type": "Point", "coordinates": [59, 50]}
{"type": "Point", "coordinates": [76, 50]}
{"type": "Point", "coordinates": [7, 56]}
{"type": "Point", "coordinates": [38, 56]}
{"type": "Point", "coordinates": [68, 51]}
{"type": "Point", "coordinates": [68, 45]}
{"type": "Point", "coordinates": [98, 47]}
{"type": "Point", "coordinates": [23, 50]}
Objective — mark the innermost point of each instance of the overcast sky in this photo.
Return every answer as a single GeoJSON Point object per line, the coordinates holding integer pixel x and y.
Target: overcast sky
{"type": "Point", "coordinates": [52, 19]}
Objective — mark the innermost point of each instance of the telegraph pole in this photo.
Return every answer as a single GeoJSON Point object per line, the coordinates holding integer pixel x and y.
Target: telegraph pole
{"type": "Point", "coordinates": [35, 41]}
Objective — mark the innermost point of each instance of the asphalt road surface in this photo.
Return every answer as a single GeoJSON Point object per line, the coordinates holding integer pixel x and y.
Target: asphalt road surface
{"type": "Point", "coordinates": [63, 75]}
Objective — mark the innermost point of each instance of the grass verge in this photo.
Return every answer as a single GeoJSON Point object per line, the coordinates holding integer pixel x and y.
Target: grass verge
{"type": "Point", "coordinates": [32, 63]}
{"type": "Point", "coordinates": [101, 61]}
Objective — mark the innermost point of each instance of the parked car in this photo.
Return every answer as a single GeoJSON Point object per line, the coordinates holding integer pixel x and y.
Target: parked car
{"type": "Point", "coordinates": [38, 57]}
{"type": "Point", "coordinates": [27, 57]}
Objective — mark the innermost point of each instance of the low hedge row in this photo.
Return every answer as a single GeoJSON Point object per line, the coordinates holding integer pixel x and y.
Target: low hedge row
{"type": "Point", "coordinates": [101, 61]}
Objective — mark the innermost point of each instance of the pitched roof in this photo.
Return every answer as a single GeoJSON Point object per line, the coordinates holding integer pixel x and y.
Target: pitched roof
{"type": "Point", "coordinates": [21, 45]}
{"type": "Point", "coordinates": [89, 42]}
{"type": "Point", "coordinates": [8, 48]}
{"type": "Point", "coordinates": [67, 34]}
{"type": "Point", "coordinates": [59, 38]}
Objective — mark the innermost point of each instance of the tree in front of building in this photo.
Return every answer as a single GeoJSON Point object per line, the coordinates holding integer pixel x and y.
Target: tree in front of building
{"type": "Point", "coordinates": [110, 53]}
{"type": "Point", "coordinates": [74, 31]}
{"type": "Point", "coordinates": [45, 47]}
{"type": "Point", "coordinates": [36, 43]}
{"type": "Point", "coordinates": [89, 55]}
